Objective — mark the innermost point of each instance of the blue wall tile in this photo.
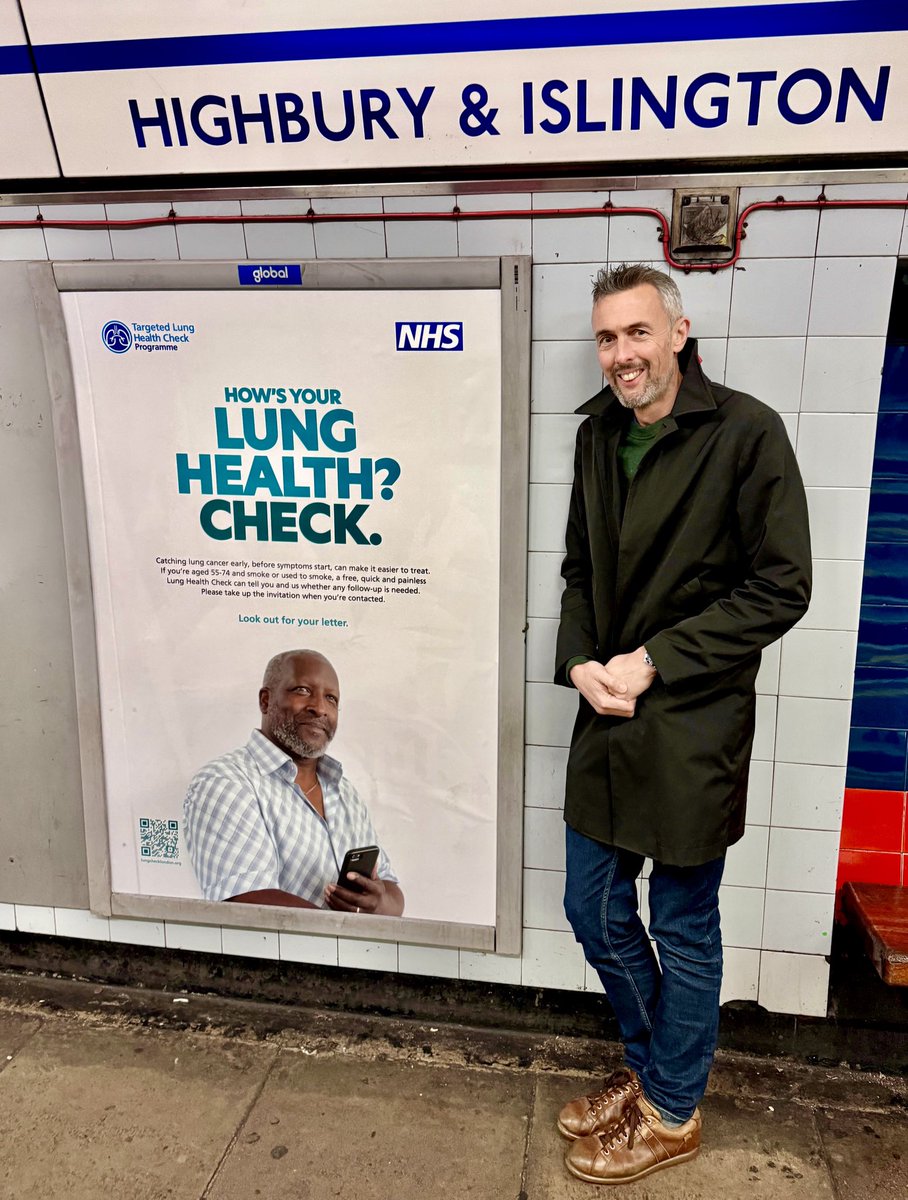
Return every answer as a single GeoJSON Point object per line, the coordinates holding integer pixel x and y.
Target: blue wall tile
{"type": "Point", "coordinates": [890, 459]}
{"type": "Point", "coordinates": [880, 698]}
{"type": "Point", "coordinates": [888, 519]}
{"type": "Point", "coordinates": [877, 758]}
{"type": "Point", "coordinates": [894, 392]}
{"type": "Point", "coordinates": [883, 636]}
{"type": "Point", "coordinates": [885, 574]}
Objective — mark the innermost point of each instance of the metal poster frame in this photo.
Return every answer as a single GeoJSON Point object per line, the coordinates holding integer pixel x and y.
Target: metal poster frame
{"type": "Point", "coordinates": [511, 277]}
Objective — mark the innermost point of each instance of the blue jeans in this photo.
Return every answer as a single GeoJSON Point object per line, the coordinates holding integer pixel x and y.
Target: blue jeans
{"type": "Point", "coordinates": [667, 1010]}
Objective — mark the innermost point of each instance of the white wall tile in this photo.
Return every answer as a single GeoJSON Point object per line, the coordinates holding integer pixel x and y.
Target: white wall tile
{"type": "Point", "coordinates": [853, 231]}
{"type": "Point", "coordinates": [835, 602]}
{"type": "Point", "coordinates": [836, 449]}
{"type": "Point", "coordinates": [759, 792]}
{"type": "Point", "coordinates": [252, 943]}
{"type": "Point", "coordinates": [740, 974]}
{"type": "Point", "coordinates": [745, 862]}
{"type": "Point", "coordinates": [205, 938]}
{"type": "Point", "coordinates": [276, 242]}
{"type": "Point", "coordinates": [798, 921]}
{"type": "Point", "coordinates": [713, 353]}
{"type": "Point", "coordinates": [440, 962]}
{"type": "Point", "coordinates": [813, 731]}
{"type": "Point", "coordinates": [307, 948]}
{"type": "Point", "coordinates": [509, 235]}
{"type": "Point", "coordinates": [544, 584]}
{"type": "Point", "coordinates": [794, 983]}
{"type": "Point", "coordinates": [541, 634]}
{"type": "Point", "coordinates": [420, 239]}
{"type": "Point", "coordinates": [562, 303]}
{"type": "Point", "coordinates": [808, 797]}
{"type": "Point", "coordinates": [552, 960]}
{"type": "Point", "coordinates": [367, 956]}
{"type": "Point", "coordinates": [543, 900]}
{"type": "Point", "coordinates": [838, 521]}
{"type": "Point", "coordinates": [35, 918]}
{"type": "Point", "coordinates": [548, 516]}
{"type": "Point", "coordinates": [349, 239]}
{"type": "Point", "coordinates": [707, 299]}
{"type": "Point", "coordinates": [565, 374]}
{"type": "Point", "coordinates": [22, 244]}
{"type": "Point", "coordinates": [780, 233]}
{"type": "Point", "coordinates": [80, 923]}
{"type": "Point", "coordinates": [7, 916]}
{"type": "Point", "coordinates": [768, 368]}
{"type": "Point", "coordinates": [802, 860]}
{"type": "Point", "coordinates": [552, 438]}
{"type": "Point", "coordinates": [741, 914]}
{"type": "Point", "coordinates": [635, 238]}
{"type": "Point", "coordinates": [765, 733]}
{"type": "Point", "coordinates": [818, 662]}
{"type": "Point", "coordinates": [76, 243]}
{"type": "Point", "coordinates": [134, 932]}
{"type": "Point", "coordinates": [210, 241]}
{"type": "Point", "coordinates": [570, 239]}
{"type": "Point", "coordinates": [543, 839]}
{"type": "Point", "coordinates": [767, 681]}
{"type": "Point", "coordinates": [152, 241]}
{"type": "Point", "coordinates": [489, 968]}
{"type": "Point", "coordinates": [591, 981]}
{"type": "Point", "coordinates": [771, 297]}
{"type": "Point", "coordinates": [851, 297]}
{"type": "Point", "coordinates": [544, 773]}
{"type": "Point", "coordinates": [842, 374]}
{"type": "Point", "coordinates": [790, 421]}
{"type": "Point", "coordinates": [550, 714]}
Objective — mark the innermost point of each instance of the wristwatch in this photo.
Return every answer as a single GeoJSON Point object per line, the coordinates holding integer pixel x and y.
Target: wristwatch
{"type": "Point", "coordinates": [647, 660]}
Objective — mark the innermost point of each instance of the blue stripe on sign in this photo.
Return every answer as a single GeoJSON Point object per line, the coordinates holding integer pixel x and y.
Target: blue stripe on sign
{"type": "Point", "coordinates": [15, 60]}
{"type": "Point", "coordinates": [461, 37]}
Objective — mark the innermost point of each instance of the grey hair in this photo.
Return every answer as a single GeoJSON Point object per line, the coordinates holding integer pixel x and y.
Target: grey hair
{"type": "Point", "coordinates": [275, 665]}
{"type": "Point", "coordinates": [609, 281]}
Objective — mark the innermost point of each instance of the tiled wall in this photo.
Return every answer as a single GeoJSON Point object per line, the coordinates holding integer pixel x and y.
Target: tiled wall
{"type": "Point", "coordinates": [801, 322]}
{"type": "Point", "coordinates": [874, 846]}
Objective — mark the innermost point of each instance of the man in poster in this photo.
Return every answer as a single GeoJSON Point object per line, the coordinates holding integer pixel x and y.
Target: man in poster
{"type": "Point", "coordinates": [270, 823]}
{"type": "Point", "coordinates": [687, 553]}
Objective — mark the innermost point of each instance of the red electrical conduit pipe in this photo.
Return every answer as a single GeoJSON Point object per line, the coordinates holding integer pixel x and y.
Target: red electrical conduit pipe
{"type": "Point", "coordinates": [456, 214]}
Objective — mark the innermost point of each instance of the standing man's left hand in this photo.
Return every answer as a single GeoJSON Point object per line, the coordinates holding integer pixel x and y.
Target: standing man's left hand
{"type": "Point", "coordinates": [633, 671]}
{"type": "Point", "coordinates": [378, 896]}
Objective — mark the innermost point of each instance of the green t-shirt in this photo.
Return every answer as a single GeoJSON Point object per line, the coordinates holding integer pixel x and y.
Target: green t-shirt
{"type": "Point", "coordinates": [634, 444]}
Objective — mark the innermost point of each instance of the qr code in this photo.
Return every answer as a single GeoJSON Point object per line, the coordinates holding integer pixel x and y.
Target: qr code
{"type": "Point", "coordinates": [159, 841]}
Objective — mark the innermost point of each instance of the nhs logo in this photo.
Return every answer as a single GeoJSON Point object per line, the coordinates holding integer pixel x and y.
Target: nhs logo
{"type": "Point", "coordinates": [429, 335]}
{"type": "Point", "coordinates": [275, 274]}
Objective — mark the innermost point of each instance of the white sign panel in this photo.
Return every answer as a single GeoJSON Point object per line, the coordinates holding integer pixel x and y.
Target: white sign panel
{"type": "Point", "coordinates": [276, 470]}
{"type": "Point", "coordinates": [26, 149]}
{"type": "Point", "coordinates": [561, 83]}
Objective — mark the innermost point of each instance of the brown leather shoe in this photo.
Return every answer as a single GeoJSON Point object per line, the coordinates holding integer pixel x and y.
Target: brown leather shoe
{"type": "Point", "coordinates": [587, 1114]}
{"type": "Point", "coordinates": [636, 1145]}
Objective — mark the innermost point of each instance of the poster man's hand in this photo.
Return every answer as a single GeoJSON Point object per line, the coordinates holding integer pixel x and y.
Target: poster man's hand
{"type": "Point", "coordinates": [605, 691]}
{"type": "Point", "coordinates": [377, 896]}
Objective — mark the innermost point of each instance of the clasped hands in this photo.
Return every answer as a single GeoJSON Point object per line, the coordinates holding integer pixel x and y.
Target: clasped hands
{"type": "Point", "coordinates": [612, 688]}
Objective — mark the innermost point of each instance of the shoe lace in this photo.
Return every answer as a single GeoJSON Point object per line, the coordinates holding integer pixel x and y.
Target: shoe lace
{"type": "Point", "coordinates": [624, 1129]}
{"type": "Point", "coordinates": [617, 1081]}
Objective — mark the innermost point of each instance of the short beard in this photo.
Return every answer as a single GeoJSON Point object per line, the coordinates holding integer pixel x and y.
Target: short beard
{"type": "Point", "coordinates": [286, 736]}
{"type": "Point", "coordinates": [654, 390]}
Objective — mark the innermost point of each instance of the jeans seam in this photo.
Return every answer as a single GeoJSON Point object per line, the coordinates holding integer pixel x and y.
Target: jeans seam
{"type": "Point", "coordinates": [603, 921]}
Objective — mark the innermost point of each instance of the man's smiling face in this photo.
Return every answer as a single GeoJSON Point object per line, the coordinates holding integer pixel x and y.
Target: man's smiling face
{"type": "Point", "coordinates": [637, 347]}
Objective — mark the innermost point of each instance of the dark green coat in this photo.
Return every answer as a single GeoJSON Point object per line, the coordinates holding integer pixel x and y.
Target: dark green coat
{"type": "Point", "coordinates": [709, 563]}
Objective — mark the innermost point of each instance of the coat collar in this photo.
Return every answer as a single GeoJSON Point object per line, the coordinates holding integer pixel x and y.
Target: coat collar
{"type": "Point", "coordinates": [694, 395]}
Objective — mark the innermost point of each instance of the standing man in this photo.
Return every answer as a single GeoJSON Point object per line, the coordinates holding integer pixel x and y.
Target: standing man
{"type": "Point", "coordinates": [687, 553]}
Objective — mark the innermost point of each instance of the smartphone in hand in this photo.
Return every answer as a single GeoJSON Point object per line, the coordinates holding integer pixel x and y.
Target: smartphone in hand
{"type": "Point", "coordinates": [362, 860]}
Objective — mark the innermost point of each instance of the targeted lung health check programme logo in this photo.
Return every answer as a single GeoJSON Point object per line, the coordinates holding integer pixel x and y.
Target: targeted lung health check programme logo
{"type": "Point", "coordinates": [116, 337]}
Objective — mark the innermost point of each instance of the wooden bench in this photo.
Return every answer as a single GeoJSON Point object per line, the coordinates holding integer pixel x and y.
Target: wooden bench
{"type": "Point", "coordinates": [880, 914]}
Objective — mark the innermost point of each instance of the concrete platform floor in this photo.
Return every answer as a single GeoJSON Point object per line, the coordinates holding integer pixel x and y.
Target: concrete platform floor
{"type": "Point", "coordinates": [119, 1095]}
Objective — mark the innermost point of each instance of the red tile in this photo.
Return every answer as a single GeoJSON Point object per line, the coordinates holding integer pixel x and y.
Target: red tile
{"type": "Point", "coordinates": [868, 866]}
{"type": "Point", "coordinates": [873, 820]}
